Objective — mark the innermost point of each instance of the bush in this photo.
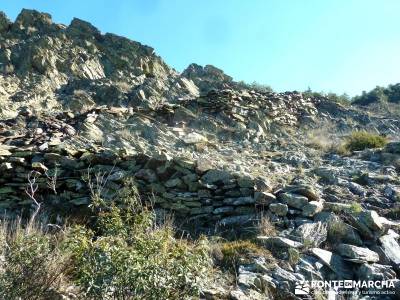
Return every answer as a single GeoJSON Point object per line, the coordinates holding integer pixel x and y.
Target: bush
{"type": "Point", "coordinates": [131, 257]}
{"type": "Point", "coordinates": [360, 140]}
{"type": "Point", "coordinates": [355, 208]}
{"type": "Point", "coordinates": [31, 264]}
{"type": "Point", "coordinates": [124, 254]}
{"type": "Point", "coordinates": [343, 99]}
{"type": "Point", "coordinates": [259, 87]}
{"type": "Point", "coordinates": [379, 94]}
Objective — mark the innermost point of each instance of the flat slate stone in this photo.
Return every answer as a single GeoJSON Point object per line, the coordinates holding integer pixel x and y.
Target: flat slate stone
{"type": "Point", "coordinates": [391, 249]}
{"type": "Point", "coordinates": [334, 262]}
{"type": "Point", "coordinates": [357, 254]}
{"type": "Point", "coordinates": [280, 242]}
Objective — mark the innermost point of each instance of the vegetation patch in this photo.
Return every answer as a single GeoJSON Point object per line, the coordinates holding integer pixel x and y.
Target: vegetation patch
{"type": "Point", "coordinates": [229, 254]}
{"type": "Point", "coordinates": [125, 254]}
{"type": "Point", "coordinates": [355, 208]}
{"type": "Point", "coordinates": [32, 265]}
{"type": "Point", "coordinates": [361, 140]}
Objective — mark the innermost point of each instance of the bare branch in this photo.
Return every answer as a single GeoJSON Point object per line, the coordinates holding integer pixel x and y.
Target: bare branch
{"type": "Point", "coordinates": [30, 190]}
{"type": "Point", "coordinates": [100, 181]}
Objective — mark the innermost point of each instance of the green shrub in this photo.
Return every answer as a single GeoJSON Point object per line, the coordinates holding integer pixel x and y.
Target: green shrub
{"type": "Point", "coordinates": [123, 254]}
{"type": "Point", "coordinates": [294, 256]}
{"type": "Point", "coordinates": [361, 178]}
{"type": "Point", "coordinates": [360, 140]}
{"type": "Point", "coordinates": [128, 256]}
{"type": "Point", "coordinates": [355, 208]}
{"type": "Point", "coordinates": [343, 99]}
{"type": "Point", "coordinates": [379, 94]}
{"type": "Point", "coordinates": [158, 267]}
{"type": "Point", "coordinates": [337, 231]}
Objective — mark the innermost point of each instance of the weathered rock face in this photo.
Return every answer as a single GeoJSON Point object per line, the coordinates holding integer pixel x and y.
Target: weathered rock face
{"type": "Point", "coordinates": [208, 77]}
{"type": "Point", "coordinates": [62, 60]}
{"type": "Point", "coordinates": [358, 254]}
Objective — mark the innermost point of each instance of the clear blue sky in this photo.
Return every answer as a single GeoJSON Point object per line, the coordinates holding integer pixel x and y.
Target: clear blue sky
{"type": "Point", "coordinates": [331, 45]}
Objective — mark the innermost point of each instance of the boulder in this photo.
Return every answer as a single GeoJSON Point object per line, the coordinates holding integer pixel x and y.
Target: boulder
{"type": "Point", "coordinates": [357, 189]}
{"type": "Point", "coordinates": [239, 201]}
{"type": "Point", "coordinates": [338, 230]}
{"type": "Point", "coordinates": [279, 242]}
{"type": "Point", "coordinates": [375, 272]}
{"type": "Point", "coordinates": [203, 165]}
{"type": "Point", "coordinates": [4, 151]}
{"type": "Point", "coordinates": [293, 200]}
{"type": "Point", "coordinates": [264, 198]}
{"type": "Point", "coordinates": [237, 220]}
{"type": "Point", "coordinates": [391, 249]}
{"type": "Point", "coordinates": [311, 233]}
{"type": "Point", "coordinates": [361, 227]}
{"type": "Point", "coordinates": [279, 209]}
{"type": "Point", "coordinates": [223, 210]}
{"type": "Point", "coordinates": [327, 174]}
{"type": "Point", "coordinates": [215, 176]}
{"type": "Point", "coordinates": [248, 280]}
{"type": "Point", "coordinates": [337, 207]}
{"type": "Point", "coordinates": [146, 174]}
{"type": "Point", "coordinates": [173, 183]}
{"type": "Point", "coordinates": [312, 208]}
{"type": "Point", "coordinates": [334, 262]}
{"type": "Point", "coordinates": [304, 190]}
{"type": "Point", "coordinates": [245, 182]}
{"type": "Point", "coordinates": [194, 138]}
{"type": "Point", "coordinates": [282, 275]}
{"type": "Point", "coordinates": [262, 185]}
{"type": "Point", "coordinates": [5, 166]}
{"type": "Point", "coordinates": [39, 167]}
{"type": "Point", "coordinates": [357, 254]}
{"type": "Point", "coordinates": [393, 147]}
{"type": "Point", "coordinates": [371, 219]}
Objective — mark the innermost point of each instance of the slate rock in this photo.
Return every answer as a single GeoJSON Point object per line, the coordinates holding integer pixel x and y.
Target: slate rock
{"type": "Point", "coordinates": [279, 209]}
{"type": "Point", "coordinates": [311, 233]}
{"type": "Point", "coordinates": [391, 249]}
{"type": "Point", "coordinates": [312, 208]}
{"type": "Point", "coordinates": [334, 262]}
{"type": "Point", "coordinates": [294, 200]}
{"type": "Point", "coordinates": [357, 254]}
{"type": "Point", "coordinates": [215, 176]}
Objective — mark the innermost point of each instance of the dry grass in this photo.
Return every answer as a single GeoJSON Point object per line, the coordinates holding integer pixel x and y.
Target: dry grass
{"type": "Point", "coordinates": [265, 226]}
{"type": "Point", "coordinates": [228, 254]}
{"type": "Point", "coordinates": [32, 266]}
{"type": "Point", "coordinates": [324, 138]}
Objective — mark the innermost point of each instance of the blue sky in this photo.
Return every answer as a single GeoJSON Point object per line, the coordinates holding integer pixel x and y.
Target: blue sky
{"type": "Point", "coordinates": [330, 45]}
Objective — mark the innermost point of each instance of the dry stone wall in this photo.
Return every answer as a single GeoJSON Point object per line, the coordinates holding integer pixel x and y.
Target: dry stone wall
{"type": "Point", "coordinates": [189, 189]}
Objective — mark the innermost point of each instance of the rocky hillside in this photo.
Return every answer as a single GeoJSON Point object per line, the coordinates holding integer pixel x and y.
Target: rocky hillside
{"type": "Point", "coordinates": [76, 104]}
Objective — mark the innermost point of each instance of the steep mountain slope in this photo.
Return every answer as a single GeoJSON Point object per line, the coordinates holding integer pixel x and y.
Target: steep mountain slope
{"type": "Point", "coordinates": [220, 156]}
{"type": "Point", "coordinates": [46, 65]}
